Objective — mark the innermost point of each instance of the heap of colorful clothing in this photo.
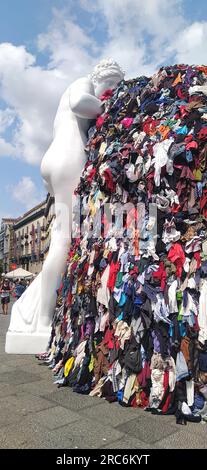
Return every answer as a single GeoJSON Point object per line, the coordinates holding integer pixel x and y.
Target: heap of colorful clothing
{"type": "Point", "coordinates": [131, 318]}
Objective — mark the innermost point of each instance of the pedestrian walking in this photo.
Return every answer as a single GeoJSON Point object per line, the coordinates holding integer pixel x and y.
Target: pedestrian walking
{"type": "Point", "coordinates": [5, 291]}
{"type": "Point", "coordinates": [20, 288]}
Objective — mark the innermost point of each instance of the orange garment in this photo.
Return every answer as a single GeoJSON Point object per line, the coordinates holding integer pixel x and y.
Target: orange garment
{"type": "Point", "coordinates": [164, 131]}
{"type": "Point", "coordinates": [184, 347]}
{"type": "Point", "coordinates": [177, 80]}
{"type": "Point", "coordinates": [136, 243]}
{"type": "Point", "coordinates": [203, 69]}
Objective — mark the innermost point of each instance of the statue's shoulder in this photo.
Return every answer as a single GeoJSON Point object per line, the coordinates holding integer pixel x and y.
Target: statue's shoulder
{"type": "Point", "coordinates": [82, 84]}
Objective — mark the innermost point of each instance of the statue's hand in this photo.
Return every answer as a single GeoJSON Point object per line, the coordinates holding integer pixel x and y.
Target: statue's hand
{"type": "Point", "coordinates": [86, 106]}
{"type": "Point", "coordinates": [83, 101]}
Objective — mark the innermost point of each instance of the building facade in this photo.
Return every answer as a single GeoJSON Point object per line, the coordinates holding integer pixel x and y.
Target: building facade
{"type": "Point", "coordinates": [6, 242]}
{"type": "Point", "coordinates": [32, 236]}
{"type": "Point", "coordinates": [25, 241]}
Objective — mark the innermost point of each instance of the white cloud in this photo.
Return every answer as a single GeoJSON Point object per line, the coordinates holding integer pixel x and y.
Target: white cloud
{"type": "Point", "coordinates": [25, 192]}
{"type": "Point", "coordinates": [138, 31]}
{"type": "Point", "coordinates": [140, 35]}
{"type": "Point", "coordinates": [190, 44]}
{"type": "Point", "coordinates": [7, 117]}
{"type": "Point", "coordinates": [6, 149]}
{"type": "Point", "coordinates": [32, 92]}
{"type": "Point", "coordinates": [69, 46]}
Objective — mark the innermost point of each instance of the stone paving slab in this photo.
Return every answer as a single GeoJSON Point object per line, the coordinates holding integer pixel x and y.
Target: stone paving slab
{"type": "Point", "coordinates": [24, 404]}
{"type": "Point", "coordinates": [148, 430]}
{"type": "Point", "coordinates": [39, 388]}
{"type": "Point", "coordinates": [55, 418]}
{"type": "Point", "coordinates": [184, 439]}
{"type": "Point", "coordinates": [18, 377]}
{"type": "Point", "coordinates": [28, 435]}
{"type": "Point", "coordinates": [200, 429]}
{"type": "Point", "coordinates": [6, 390]}
{"type": "Point", "coordinates": [9, 417]}
{"type": "Point", "coordinates": [67, 398]}
{"type": "Point", "coordinates": [36, 368]}
{"type": "Point", "coordinates": [4, 367]}
{"type": "Point", "coordinates": [87, 434]}
{"type": "Point", "coordinates": [51, 441]}
{"type": "Point", "coordinates": [128, 443]}
{"type": "Point", "coordinates": [110, 414]}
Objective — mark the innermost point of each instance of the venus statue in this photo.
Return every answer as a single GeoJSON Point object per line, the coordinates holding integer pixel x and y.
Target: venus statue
{"type": "Point", "coordinates": [61, 168]}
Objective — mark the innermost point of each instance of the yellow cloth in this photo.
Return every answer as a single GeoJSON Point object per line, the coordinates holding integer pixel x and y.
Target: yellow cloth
{"type": "Point", "coordinates": [102, 149]}
{"type": "Point", "coordinates": [91, 364]}
{"type": "Point", "coordinates": [92, 207]}
{"type": "Point", "coordinates": [68, 366]}
{"type": "Point", "coordinates": [197, 174]}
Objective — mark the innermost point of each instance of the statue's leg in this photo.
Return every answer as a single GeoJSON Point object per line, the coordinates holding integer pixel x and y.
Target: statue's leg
{"type": "Point", "coordinates": [22, 336]}
{"type": "Point", "coordinates": [55, 262]}
{"type": "Point", "coordinates": [51, 274]}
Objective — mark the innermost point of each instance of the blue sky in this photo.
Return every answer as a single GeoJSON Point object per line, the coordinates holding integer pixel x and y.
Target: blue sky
{"type": "Point", "coordinates": [46, 44]}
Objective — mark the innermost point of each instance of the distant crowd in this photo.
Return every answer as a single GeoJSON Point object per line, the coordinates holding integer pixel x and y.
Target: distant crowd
{"type": "Point", "coordinates": [10, 289]}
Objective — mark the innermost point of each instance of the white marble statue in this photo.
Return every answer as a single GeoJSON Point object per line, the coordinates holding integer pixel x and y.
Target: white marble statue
{"type": "Point", "coordinates": [61, 168]}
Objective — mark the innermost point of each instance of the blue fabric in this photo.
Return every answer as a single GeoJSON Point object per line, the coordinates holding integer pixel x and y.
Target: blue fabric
{"type": "Point", "coordinates": [203, 361]}
{"type": "Point", "coordinates": [19, 289]}
{"type": "Point", "coordinates": [120, 395]}
{"type": "Point", "coordinates": [199, 402]}
{"type": "Point", "coordinates": [122, 299]}
{"type": "Point", "coordinates": [181, 367]}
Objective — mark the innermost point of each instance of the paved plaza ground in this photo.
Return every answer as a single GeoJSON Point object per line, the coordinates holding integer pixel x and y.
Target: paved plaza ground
{"type": "Point", "coordinates": [35, 414]}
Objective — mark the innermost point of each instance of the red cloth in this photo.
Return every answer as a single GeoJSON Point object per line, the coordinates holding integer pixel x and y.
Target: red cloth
{"type": "Point", "coordinates": [188, 138]}
{"type": "Point", "coordinates": [114, 268]}
{"type": "Point", "coordinates": [192, 145]}
{"type": "Point", "coordinates": [106, 95]}
{"type": "Point", "coordinates": [168, 399]}
{"type": "Point", "coordinates": [150, 125]}
{"type": "Point", "coordinates": [109, 340]}
{"type": "Point", "coordinates": [202, 135]}
{"type": "Point", "coordinates": [69, 299]}
{"type": "Point", "coordinates": [144, 400]}
{"type": "Point", "coordinates": [167, 403]}
{"type": "Point", "coordinates": [176, 255]}
{"type": "Point", "coordinates": [74, 266]}
{"type": "Point", "coordinates": [181, 92]}
{"type": "Point", "coordinates": [160, 274]}
{"type": "Point", "coordinates": [183, 111]}
{"type": "Point", "coordinates": [60, 288]}
{"type": "Point", "coordinates": [110, 183]}
{"type": "Point", "coordinates": [197, 257]}
{"type": "Point", "coordinates": [203, 203]}
{"type": "Point", "coordinates": [100, 120]}
{"type": "Point", "coordinates": [196, 325]}
{"type": "Point", "coordinates": [175, 208]}
{"type": "Point", "coordinates": [144, 375]}
{"type": "Point", "coordinates": [134, 402]}
{"type": "Point", "coordinates": [127, 122]}
{"type": "Point", "coordinates": [134, 271]}
{"type": "Point", "coordinates": [91, 175]}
